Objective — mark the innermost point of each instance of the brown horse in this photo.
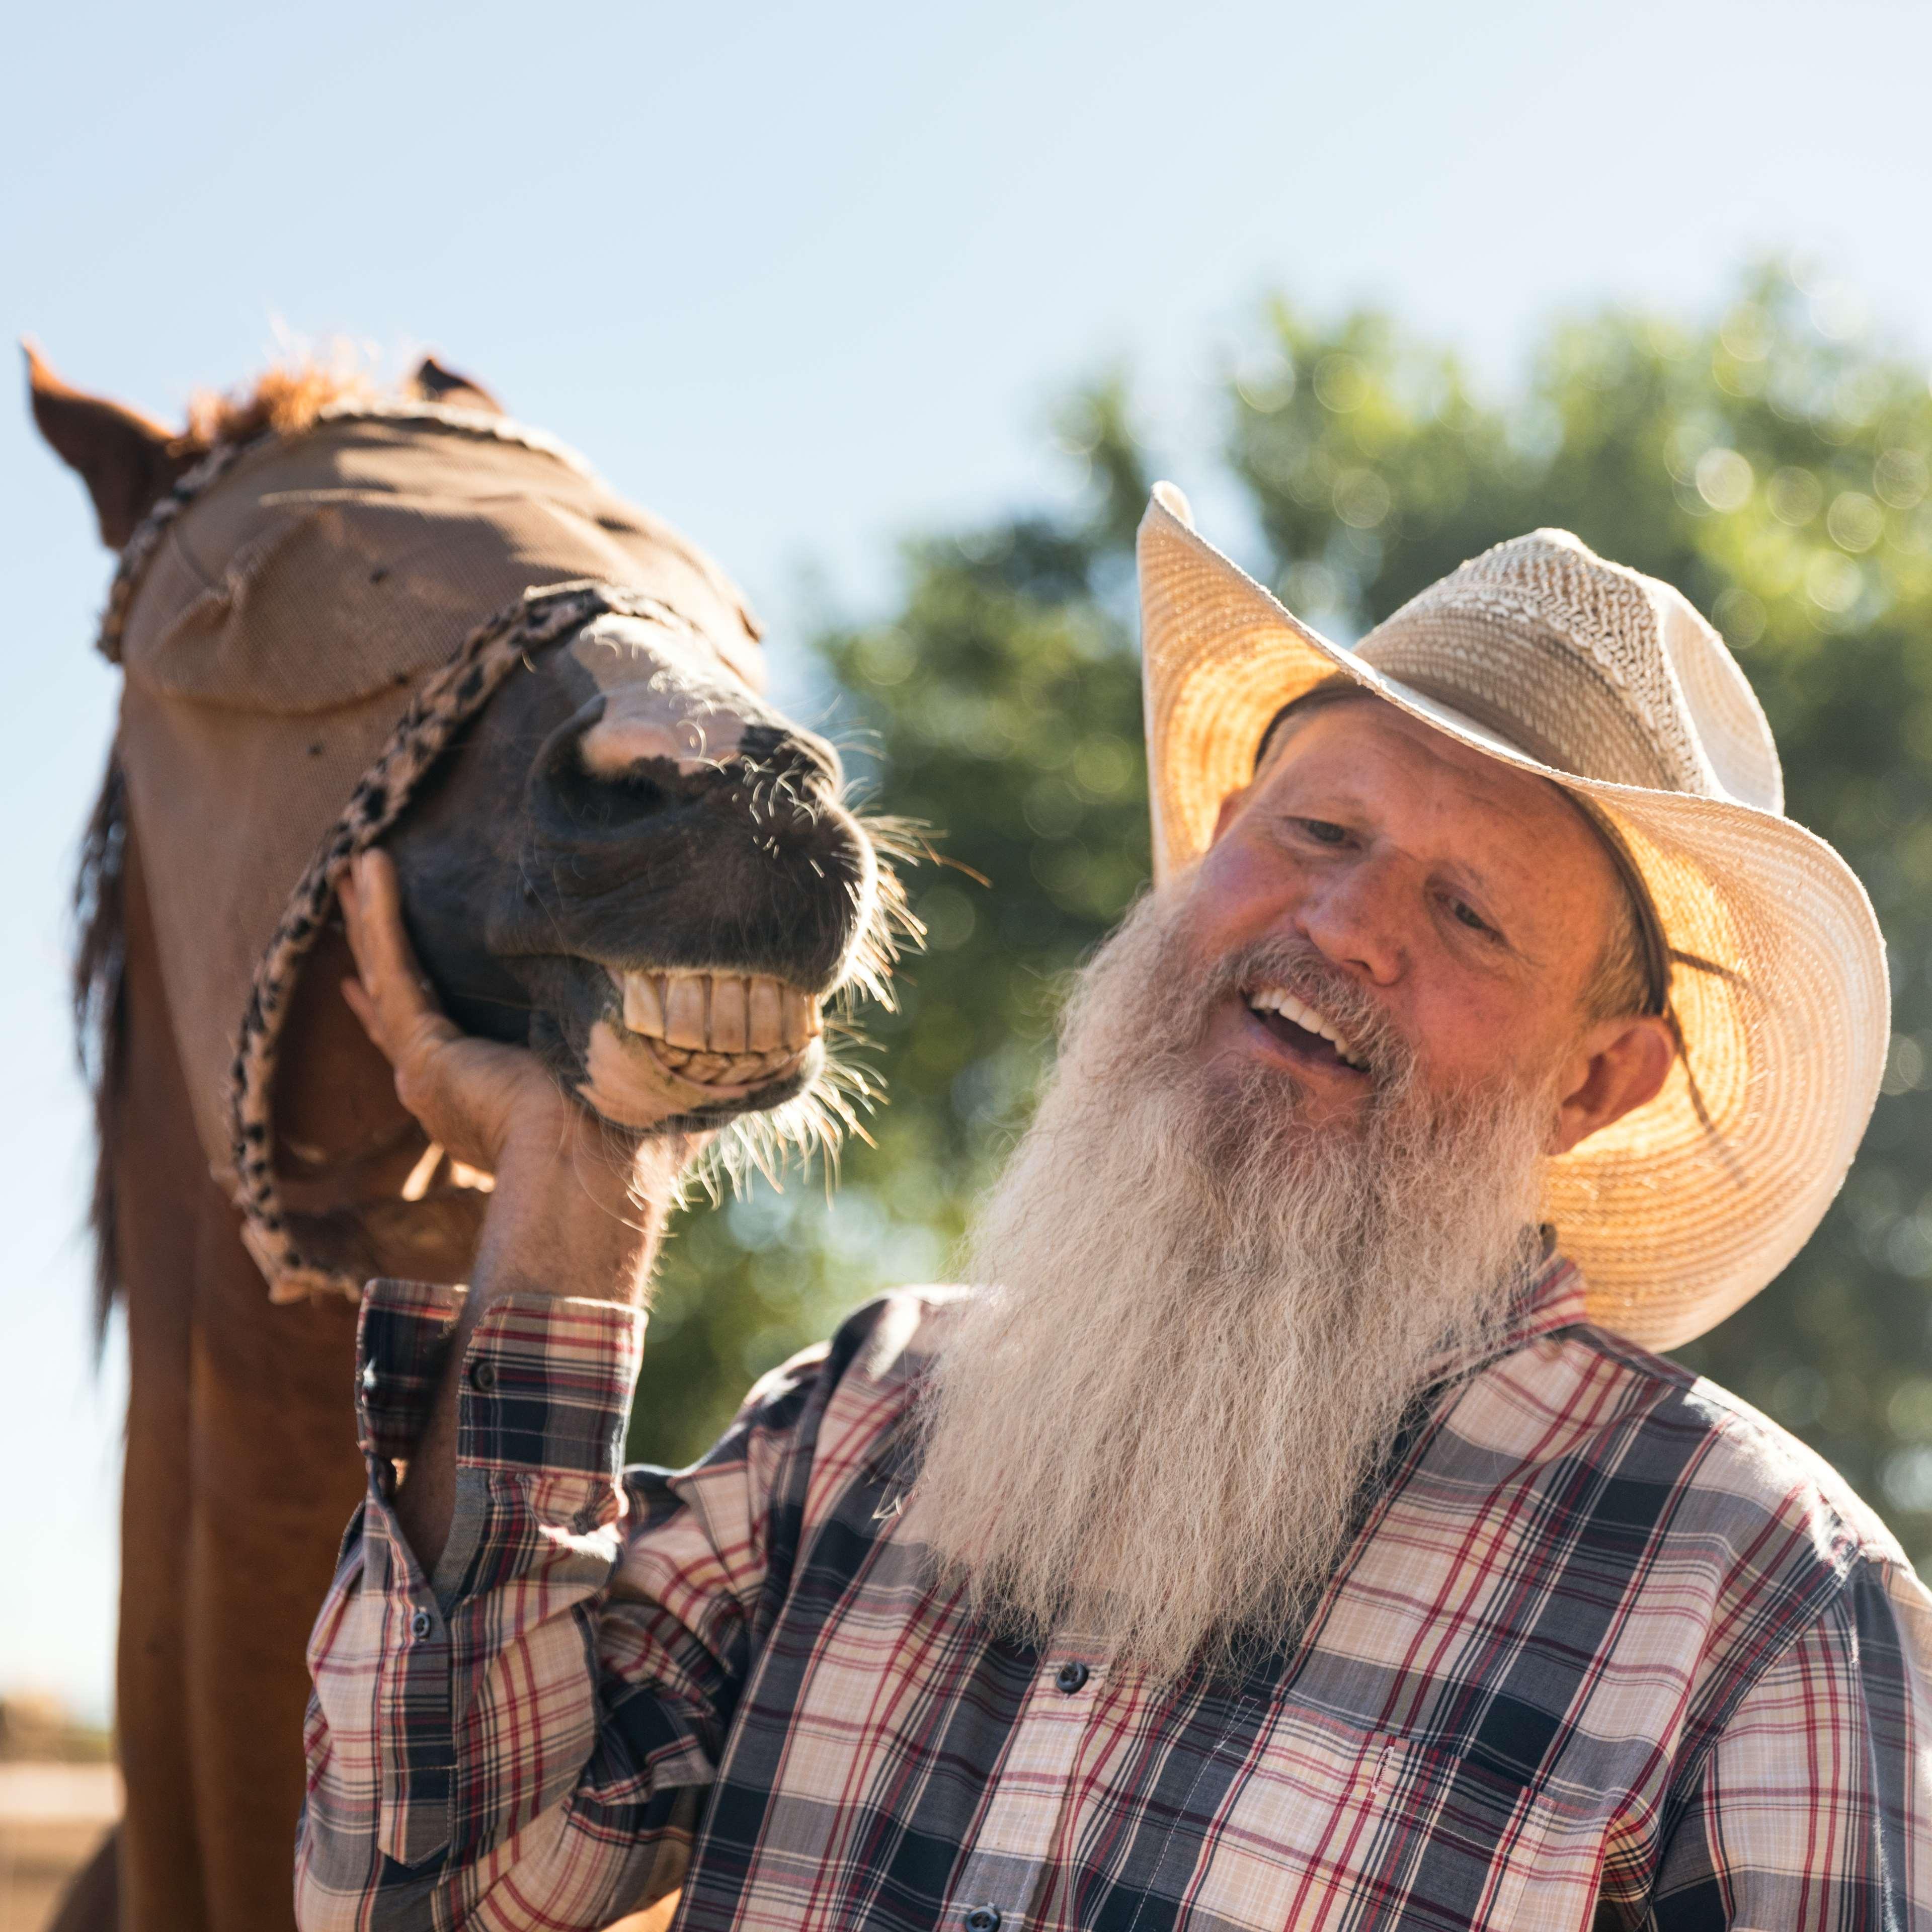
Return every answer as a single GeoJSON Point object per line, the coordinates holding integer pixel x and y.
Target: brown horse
{"type": "Point", "coordinates": [612, 849]}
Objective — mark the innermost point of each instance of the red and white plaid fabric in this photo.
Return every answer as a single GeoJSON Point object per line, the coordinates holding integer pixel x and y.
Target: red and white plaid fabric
{"type": "Point", "coordinates": [1609, 1650]}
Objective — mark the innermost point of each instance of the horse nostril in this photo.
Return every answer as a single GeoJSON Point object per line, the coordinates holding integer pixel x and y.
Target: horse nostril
{"type": "Point", "coordinates": [601, 795]}
{"type": "Point", "coordinates": [585, 801]}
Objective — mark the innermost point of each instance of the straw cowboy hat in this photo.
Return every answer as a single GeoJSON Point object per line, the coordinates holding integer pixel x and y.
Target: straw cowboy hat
{"type": "Point", "coordinates": [1543, 655]}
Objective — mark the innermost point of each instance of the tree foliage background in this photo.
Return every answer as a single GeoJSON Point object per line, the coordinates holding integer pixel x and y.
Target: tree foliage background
{"type": "Point", "coordinates": [1775, 462]}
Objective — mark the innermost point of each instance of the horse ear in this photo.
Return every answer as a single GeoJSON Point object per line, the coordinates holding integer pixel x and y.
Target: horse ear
{"type": "Point", "coordinates": [126, 461]}
{"type": "Point", "coordinates": [436, 382]}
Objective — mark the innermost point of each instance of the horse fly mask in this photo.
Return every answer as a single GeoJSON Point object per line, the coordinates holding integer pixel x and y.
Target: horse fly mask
{"type": "Point", "coordinates": [304, 622]}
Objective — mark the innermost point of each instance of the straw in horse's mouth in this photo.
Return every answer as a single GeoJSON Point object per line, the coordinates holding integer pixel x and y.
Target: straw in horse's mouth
{"type": "Point", "coordinates": [721, 1029]}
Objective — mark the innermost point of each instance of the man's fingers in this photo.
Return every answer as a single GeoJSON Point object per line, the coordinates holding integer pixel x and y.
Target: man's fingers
{"type": "Point", "coordinates": [382, 947]}
{"type": "Point", "coordinates": [464, 1091]}
{"type": "Point", "coordinates": [359, 1003]}
{"type": "Point", "coordinates": [397, 997]}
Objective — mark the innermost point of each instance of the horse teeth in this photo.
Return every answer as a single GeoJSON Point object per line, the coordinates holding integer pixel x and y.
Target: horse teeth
{"type": "Point", "coordinates": [706, 1066]}
{"type": "Point", "coordinates": [801, 1018]}
{"type": "Point", "coordinates": [727, 1015]}
{"type": "Point", "coordinates": [763, 1028]}
{"type": "Point", "coordinates": [643, 1005]}
{"type": "Point", "coordinates": [748, 1026]}
{"type": "Point", "coordinates": [684, 1010]}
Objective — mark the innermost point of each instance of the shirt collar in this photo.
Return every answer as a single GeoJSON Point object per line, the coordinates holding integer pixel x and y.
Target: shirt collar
{"type": "Point", "coordinates": [1550, 1298]}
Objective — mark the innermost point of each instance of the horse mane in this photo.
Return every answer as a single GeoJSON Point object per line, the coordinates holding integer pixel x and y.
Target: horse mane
{"type": "Point", "coordinates": [100, 1012]}
{"type": "Point", "coordinates": [285, 397]}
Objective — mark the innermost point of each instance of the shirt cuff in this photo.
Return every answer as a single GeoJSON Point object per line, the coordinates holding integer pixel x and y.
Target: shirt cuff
{"type": "Point", "coordinates": [547, 1379]}
{"type": "Point", "coordinates": [547, 1386]}
{"type": "Point", "coordinates": [402, 1342]}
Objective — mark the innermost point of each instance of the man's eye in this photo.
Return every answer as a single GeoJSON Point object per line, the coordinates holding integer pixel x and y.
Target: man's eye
{"type": "Point", "coordinates": [1465, 914]}
{"type": "Point", "coordinates": [1323, 832]}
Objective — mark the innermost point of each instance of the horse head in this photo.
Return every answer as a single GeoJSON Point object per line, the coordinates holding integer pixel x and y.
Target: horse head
{"type": "Point", "coordinates": [344, 617]}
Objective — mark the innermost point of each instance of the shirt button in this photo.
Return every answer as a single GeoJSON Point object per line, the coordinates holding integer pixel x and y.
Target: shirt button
{"type": "Point", "coordinates": [368, 1378]}
{"type": "Point", "coordinates": [1071, 1677]}
{"type": "Point", "coordinates": [983, 1919]}
{"type": "Point", "coordinates": [483, 1375]}
{"type": "Point", "coordinates": [421, 1624]}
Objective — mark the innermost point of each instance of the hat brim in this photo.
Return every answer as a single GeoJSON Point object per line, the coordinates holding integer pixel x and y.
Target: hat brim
{"type": "Point", "coordinates": [1674, 1219]}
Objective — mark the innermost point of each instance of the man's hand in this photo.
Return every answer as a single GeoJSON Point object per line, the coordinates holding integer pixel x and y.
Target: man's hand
{"type": "Point", "coordinates": [578, 1202]}
{"type": "Point", "coordinates": [578, 1205]}
{"type": "Point", "coordinates": [472, 1096]}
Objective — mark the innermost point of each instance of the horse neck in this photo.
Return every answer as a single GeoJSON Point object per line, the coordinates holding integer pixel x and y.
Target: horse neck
{"type": "Point", "coordinates": [241, 1469]}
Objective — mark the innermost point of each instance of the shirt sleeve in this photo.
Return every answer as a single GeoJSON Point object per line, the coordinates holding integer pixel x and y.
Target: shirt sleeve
{"type": "Point", "coordinates": [525, 1736]}
{"type": "Point", "coordinates": [1814, 1809]}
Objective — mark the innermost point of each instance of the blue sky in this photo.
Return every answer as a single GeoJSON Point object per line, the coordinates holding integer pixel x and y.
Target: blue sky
{"type": "Point", "coordinates": [805, 280]}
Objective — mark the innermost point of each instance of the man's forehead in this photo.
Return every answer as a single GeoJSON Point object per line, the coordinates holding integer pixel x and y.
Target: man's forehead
{"type": "Point", "coordinates": [1355, 719]}
{"type": "Point", "coordinates": [1503, 830]}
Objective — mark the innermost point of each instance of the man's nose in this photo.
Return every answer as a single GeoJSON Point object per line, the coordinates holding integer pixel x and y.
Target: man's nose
{"type": "Point", "coordinates": [1352, 915]}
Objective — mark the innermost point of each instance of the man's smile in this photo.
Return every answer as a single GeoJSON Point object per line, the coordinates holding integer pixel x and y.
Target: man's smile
{"type": "Point", "coordinates": [1308, 1035]}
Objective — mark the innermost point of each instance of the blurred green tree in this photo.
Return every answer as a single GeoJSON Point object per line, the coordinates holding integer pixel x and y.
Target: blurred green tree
{"type": "Point", "coordinates": [1776, 464]}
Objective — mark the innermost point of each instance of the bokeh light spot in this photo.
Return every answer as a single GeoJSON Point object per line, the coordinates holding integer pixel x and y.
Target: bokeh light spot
{"type": "Point", "coordinates": [1796, 496]}
{"type": "Point", "coordinates": [1901, 479]}
{"type": "Point", "coordinates": [1746, 333]}
{"type": "Point", "coordinates": [1361, 499]}
{"type": "Point", "coordinates": [1310, 588]}
{"type": "Point", "coordinates": [884, 657]}
{"type": "Point", "coordinates": [1740, 616]}
{"type": "Point", "coordinates": [1839, 312]}
{"type": "Point", "coordinates": [1833, 582]}
{"type": "Point", "coordinates": [1264, 380]}
{"type": "Point", "coordinates": [1341, 383]}
{"type": "Point", "coordinates": [1904, 1066]}
{"type": "Point", "coordinates": [949, 916]}
{"type": "Point", "coordinates": [1103, 767]}
{"type": "Point", "coordinates": [1724, 479]}
{"type": "Point", "coordinates": [1854, 521]}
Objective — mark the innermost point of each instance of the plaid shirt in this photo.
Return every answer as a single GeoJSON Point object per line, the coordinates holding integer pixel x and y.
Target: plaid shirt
{"type": "Point", "coordinates": [1609, 1649]}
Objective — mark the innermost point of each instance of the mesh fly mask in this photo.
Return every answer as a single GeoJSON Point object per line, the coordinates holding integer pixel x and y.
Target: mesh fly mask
{"type": "Point", "coordinates": [305, 623]}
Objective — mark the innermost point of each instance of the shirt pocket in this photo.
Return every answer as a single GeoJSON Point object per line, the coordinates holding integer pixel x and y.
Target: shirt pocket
{"type": "Point", "coordinates": [1333, 1825]}
{"type": "Point", "coordinates": [1314, 1825]}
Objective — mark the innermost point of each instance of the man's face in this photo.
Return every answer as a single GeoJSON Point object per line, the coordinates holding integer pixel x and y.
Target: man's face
{"type": "Point", "coordinates": [1223, 1259]}
{"type": "Point", "coordinates": [1463, 904]}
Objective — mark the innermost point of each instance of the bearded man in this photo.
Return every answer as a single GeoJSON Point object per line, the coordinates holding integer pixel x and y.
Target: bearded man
{"type": "Point", "coordinates": [1293, 1528]}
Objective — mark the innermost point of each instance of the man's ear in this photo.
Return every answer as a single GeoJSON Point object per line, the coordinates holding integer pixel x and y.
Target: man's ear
{"type": "Point", "coordinates": [1620, 1065]}
{"type": "Point", "coordinates": [436, 382]}
{"type": "Point", "coordinates": [126, 461]}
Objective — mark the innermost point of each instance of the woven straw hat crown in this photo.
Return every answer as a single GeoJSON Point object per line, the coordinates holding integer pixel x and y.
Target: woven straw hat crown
{"type": "Point", "coordinates": [1609, 684]}
{"type": "Point", "coordinates": [1595, 669]}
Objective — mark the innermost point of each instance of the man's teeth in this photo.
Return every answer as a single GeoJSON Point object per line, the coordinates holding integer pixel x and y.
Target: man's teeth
{"type": "Point", "coordinates": [720, 1027]}
{"type": "Point", "coordinates": [1271, 1000]}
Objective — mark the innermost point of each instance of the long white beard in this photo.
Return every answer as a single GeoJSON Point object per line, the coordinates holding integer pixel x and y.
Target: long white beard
{"type": "Point", "coordinates": [1209, 1318]}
